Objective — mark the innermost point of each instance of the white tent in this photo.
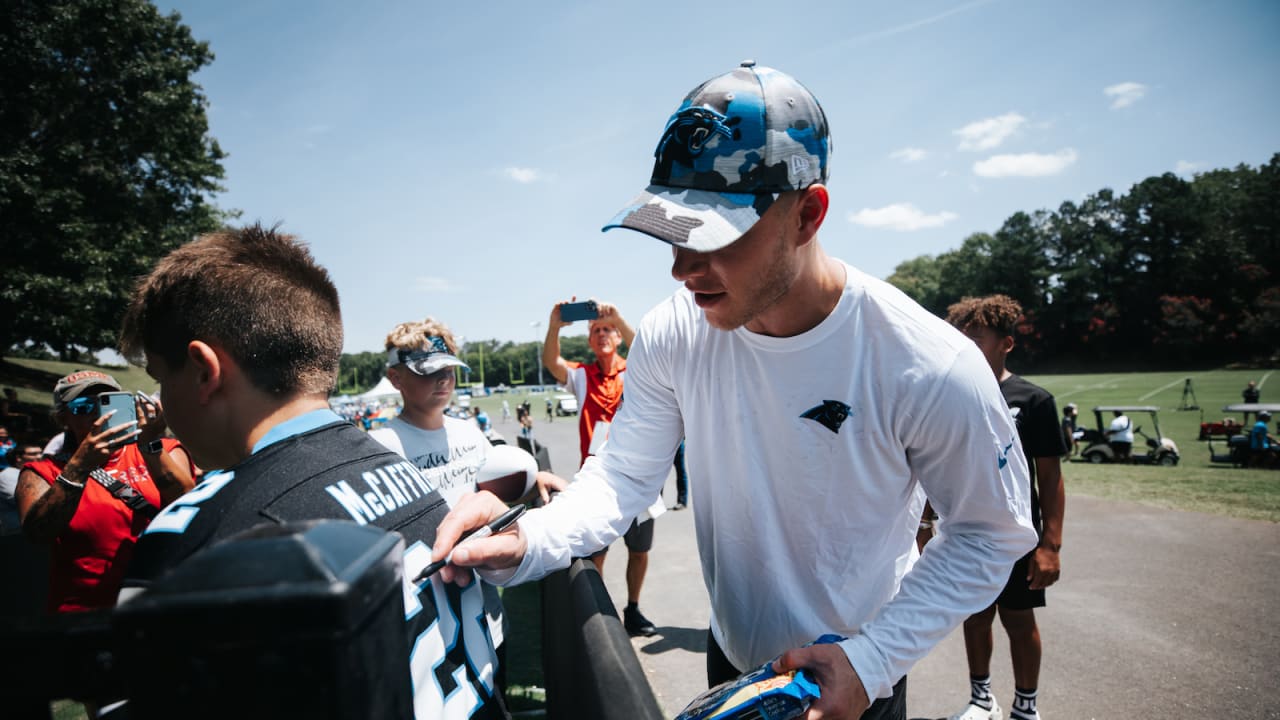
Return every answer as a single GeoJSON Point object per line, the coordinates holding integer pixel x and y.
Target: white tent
{"type": "Point", "coordinates": [384, 390]}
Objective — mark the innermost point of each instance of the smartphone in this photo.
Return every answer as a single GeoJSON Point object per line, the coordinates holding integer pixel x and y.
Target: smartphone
{"type": "Point", "coordinates": [123, 404]}
{"type": "Point", "coordinates": [579, 311]}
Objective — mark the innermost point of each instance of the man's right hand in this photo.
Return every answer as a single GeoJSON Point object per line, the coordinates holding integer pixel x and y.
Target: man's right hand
{"type": "Point", "coordinates": [97, 447]}
{"type": "Point", "coordinates": [555, 321]}
{"type": "Point", "coordinates": [497, 552]}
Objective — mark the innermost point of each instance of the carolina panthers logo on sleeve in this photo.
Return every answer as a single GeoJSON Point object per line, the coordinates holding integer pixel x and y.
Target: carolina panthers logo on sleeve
{"type": "Point", "coordinates": [1004, 456]}
{"type": "Point", "coordinates": [831, 413]}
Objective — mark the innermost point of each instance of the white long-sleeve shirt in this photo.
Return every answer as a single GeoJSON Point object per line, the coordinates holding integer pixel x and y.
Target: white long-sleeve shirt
{"type": "Point", "coordinates": [805, 457]}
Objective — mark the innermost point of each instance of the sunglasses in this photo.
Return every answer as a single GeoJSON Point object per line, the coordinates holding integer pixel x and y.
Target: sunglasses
{"type": "Point", "coordinates": [83, 406]}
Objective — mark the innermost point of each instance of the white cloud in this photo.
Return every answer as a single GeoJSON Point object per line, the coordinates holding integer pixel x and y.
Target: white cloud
{"type": "Point", "coordinates": [1186, 167]}
{"type": "Point", "coordinates": [523, 175]}
{"type": "Point", "coordinates": [903, 217]}
{"type": "Point", "coordinates": [908, 154]}
{"type": "Point", "coordinates": [1124, 94]}
{"type": "Point", "coordinates": [988, 133]}
{"type": "Point", "coordinates": [1025, 165]}
{"type": "Point", "coordinates": [433, 284]}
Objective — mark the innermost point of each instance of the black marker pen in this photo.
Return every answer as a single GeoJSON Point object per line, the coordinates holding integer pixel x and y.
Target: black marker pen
{"type": "Point", "coordinates": [504, 521]}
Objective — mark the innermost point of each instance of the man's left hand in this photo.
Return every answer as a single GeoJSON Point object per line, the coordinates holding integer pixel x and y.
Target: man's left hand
{"type": "Point", "coordinates": [151, 423]}
{"type": "Point", "coordinates": [843, 696]}
{"type": "Point", "coordinates": [1044, 568]}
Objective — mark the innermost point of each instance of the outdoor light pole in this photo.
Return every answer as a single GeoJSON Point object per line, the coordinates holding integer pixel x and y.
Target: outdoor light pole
{"type": "Point", "coordinates": [537, 324]}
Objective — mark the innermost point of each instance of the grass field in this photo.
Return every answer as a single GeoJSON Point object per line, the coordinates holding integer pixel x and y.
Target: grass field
{"type": "Point", "coordinates": [1194, 484]}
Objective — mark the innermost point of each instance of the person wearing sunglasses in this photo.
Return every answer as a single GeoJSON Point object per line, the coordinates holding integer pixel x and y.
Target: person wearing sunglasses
{"type": "Point", "coordinates": [92, 498]}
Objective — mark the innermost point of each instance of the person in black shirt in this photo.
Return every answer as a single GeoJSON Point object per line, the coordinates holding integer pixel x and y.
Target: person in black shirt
{"type": "Point", "coordinates": [243, 331]}
{"type": "Point", "coordinates": [1251, 393]}
{"type": "Point", "coordinates": [990, 322]}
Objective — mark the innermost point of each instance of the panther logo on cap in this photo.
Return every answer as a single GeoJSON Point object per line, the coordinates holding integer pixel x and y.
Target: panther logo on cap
{"type": "Point", "coordinates": [688, 132]}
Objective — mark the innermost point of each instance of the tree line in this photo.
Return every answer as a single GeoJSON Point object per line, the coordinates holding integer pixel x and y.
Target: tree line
{"type": "Point", "coordinates": [1175, 272]}
{"type": "Point", "coordinates": [492, 362]}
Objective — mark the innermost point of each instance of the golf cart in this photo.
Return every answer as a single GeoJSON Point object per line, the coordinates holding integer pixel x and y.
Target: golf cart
{"type": "Point", "coordinates": [1235, 434]}
{"type": "Point", "coordinates": [1160, 450]}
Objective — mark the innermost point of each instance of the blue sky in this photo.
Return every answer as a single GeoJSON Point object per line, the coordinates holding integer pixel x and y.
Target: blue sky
{"type": "Point", "coordinates": [458, 159]}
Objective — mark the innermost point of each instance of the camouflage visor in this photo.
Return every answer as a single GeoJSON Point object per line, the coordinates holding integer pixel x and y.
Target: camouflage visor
{"type": "Point", "coordinates": [426, 361]}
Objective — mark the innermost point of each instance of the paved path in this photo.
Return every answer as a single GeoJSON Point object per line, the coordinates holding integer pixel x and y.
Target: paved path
{"type": "Point", "coordinates": [1159, 614]}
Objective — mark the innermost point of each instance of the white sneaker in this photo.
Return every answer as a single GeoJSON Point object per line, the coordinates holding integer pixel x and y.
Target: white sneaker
{"type": "Point", "coordinates": [973, 712]}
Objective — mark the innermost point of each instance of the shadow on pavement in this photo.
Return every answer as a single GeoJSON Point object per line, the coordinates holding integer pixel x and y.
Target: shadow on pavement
{"type": "Point", "coordinates": [677, 638]}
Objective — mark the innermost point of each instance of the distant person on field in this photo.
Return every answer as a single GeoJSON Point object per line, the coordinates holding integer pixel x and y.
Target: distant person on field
{"type": "Point", "coordinates": [1120, 435]}
{"type": "Point", "coordinates": [989, 322]}
{"type": "Point", "coordinates": [1262, 444]}
{"type": "Point", "coordinates": [598, 387]}
{"type": "Point", "coordinates": [1251, 393]}
{"type": "Point", "coordinates": [1070, 420]}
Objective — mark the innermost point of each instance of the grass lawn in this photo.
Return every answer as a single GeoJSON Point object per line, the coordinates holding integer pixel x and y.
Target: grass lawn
{"type": "Point", "coordinates": [1199, 487]}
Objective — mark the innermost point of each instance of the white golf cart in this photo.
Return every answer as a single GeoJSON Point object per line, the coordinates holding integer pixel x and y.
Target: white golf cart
{"type": "Point", "coordinates": [1160, 450]}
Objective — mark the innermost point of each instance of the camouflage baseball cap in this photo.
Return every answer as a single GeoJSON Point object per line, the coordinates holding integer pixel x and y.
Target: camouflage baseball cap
{"type": "Point", "coordinates": [734, 144]}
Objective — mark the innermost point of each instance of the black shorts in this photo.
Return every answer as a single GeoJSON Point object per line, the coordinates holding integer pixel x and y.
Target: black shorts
{"type": "Point", "coordinates": [1017, 594]}
{"type": "Point", "coordinates": [639, 537]}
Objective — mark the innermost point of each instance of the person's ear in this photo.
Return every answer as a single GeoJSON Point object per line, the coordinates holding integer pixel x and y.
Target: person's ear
{"type": "Point", "coordinates": [208, 368]}
{"type": "Point", "coordinates": [394, 376]}
{"type": "Point", "coordinates": [1006, 344]}
{"type": "Point", "coordinates": [812, 210]}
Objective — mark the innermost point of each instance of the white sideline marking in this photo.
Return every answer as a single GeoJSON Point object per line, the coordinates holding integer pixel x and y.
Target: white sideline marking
{"type": "Point", "coordinates": [1162, 387]}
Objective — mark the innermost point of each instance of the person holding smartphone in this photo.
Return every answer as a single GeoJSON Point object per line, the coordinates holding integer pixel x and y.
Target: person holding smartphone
{"type": "Point", "coordinates": [598, 387]}
{"type": "Point", "coordinates": [92, 499]}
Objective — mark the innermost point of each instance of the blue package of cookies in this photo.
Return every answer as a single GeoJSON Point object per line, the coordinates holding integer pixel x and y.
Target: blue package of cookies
{"type": "Point", "coordinates": [760, 694]}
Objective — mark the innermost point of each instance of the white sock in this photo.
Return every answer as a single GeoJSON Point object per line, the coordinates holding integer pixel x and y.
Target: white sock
{"type": "Point", "coordinates": [1024, 705]}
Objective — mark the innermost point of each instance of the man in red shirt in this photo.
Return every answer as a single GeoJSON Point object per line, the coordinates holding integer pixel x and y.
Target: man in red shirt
{"type": "Point", "coordinates": [92, 499]}
{"type": "Point", "coordinates": [598, 387]}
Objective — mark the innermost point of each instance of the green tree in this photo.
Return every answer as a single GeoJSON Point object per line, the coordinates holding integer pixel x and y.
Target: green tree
{"type": "Point", "coordinates": [964, 272]}
{"type": "Point", "coordinates": [919, 279]}
{"type": "Point", "coordinates": [359, 372]}
{"type": "Point", "coordinates": [105, 162]}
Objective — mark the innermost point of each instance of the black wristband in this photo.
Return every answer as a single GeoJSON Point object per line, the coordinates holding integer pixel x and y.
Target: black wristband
{"type": "Point", "coordinates": [155, 447]}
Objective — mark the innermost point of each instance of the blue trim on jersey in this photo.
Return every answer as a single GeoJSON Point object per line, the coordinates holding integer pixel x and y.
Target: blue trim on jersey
{"type": "Point", "coordinates": [178, 515]}
{"type": "Point", "coordinates": [296, 426]}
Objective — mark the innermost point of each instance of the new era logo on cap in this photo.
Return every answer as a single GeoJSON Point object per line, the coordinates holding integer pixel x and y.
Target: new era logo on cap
{"type": "Point", "coordinates": [735, 142]}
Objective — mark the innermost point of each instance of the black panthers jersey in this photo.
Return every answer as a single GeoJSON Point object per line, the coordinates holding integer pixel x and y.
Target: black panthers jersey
{"type": "Point", "coordinates": [1036, 416]}
{"type": "Point", "coordinates": [318, 466]}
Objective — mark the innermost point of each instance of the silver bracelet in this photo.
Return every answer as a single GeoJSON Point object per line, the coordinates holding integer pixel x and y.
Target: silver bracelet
{"type": "Point", "coordinates": [61, 479]}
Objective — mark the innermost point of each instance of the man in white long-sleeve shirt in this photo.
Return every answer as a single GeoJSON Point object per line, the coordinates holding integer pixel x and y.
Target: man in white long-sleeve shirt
{"type": "Point", "coordinates": [817, 403]}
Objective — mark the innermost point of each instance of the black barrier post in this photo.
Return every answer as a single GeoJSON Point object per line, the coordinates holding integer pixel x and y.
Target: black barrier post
{"type": "Point", "coordinates": [589, 665]}
{"type": "Point", "coordinates": [302, 620]}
